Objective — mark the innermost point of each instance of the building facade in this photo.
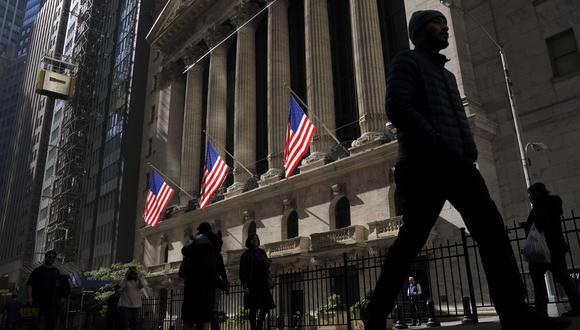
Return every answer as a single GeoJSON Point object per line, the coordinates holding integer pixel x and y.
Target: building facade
{"type": "Point", "coordinates": [28, 148]}
{"type": "Point", "coordinates": [54, 139]}
{"type": "Point", "coordinates": [11, 13]}
{"type": "Point", "coordinates": [334, 55]}
{"type": "Point", "coordinates": [104, 232]}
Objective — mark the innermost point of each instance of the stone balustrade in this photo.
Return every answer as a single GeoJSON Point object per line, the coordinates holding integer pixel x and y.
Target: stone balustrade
{"type": "Point", "coordinates": [166, 268]}
{"type": "Point", "coordinates": [385, 228]}
{"type": "Point", "coordinates": [343, 236]}
{"type": "Point", "coordinates": [156, 269]}
{"type": "Point", "coordinates": [232, 257]}
{"type": "Point", "coordinates": [288, 247]}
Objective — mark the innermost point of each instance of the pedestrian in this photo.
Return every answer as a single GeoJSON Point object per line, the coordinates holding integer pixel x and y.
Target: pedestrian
{"type": "Point", "coordinates": [297, 320]}
{"type": "Point", "coordinates": [414, 293]}
{"type": "Point", "coordinates": [113, 314]}
{"type": "Point", "coordinates": [256, 281]}
{"type": "Point", "coordinates": [436, 162]}
{"type": "Point", "coordinates": [11, 312]}
{"type": "Point", "coordinates": [223, 284]}
{"type": "Point", "coordinates": [42, 289]}
{"type": "Point", "coordinates": [199, 270]}
{"type": "Point", "coordinates": [545, 215]}
{"type": "Point", "coordinates": [130, 299]}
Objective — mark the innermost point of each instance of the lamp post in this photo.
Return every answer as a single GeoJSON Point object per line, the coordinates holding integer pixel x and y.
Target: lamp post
{"type": "Point", "coordinates": [537, 147]}
{"type": "Point", "coordinates": [509, 86]}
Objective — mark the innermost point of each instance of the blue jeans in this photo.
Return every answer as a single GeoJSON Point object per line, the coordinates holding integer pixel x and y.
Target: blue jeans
{"type": "Point", "coordinates": [130, 318]}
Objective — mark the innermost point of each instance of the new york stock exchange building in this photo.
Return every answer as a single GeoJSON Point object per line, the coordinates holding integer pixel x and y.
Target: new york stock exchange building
{"type": "Point", "coordinates": [333, 55]}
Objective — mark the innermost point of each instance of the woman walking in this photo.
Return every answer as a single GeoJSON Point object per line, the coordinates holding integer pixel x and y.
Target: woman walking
{"type": "Point", "coordinates": [255, 278]}
{"type": "Point", "coordinates": [130, 299]}
{"type": "Point", "coordinates": [545, 215]}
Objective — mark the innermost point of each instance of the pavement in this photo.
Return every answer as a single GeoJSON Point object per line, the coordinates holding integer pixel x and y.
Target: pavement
{"type": "Point", "coordinates": [489, 323]}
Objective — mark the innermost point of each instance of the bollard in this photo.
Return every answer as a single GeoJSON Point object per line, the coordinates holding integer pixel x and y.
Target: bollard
{"type": "Point", "coordinates": [468, 317]}
{"type": "Point", "coordinates": [399, 314]}
{"type": "Point", "coordinates": [431, 321]}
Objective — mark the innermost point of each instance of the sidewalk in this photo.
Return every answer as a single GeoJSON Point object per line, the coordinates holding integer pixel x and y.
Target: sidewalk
{"type": "Point", "coordinates": [490, 323]}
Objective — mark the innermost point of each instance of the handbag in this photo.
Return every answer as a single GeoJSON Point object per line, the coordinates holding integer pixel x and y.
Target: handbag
{"type": "Point", "coordinates": [28, 315]}
{"type": "Point", "coordinates": [535, 248]}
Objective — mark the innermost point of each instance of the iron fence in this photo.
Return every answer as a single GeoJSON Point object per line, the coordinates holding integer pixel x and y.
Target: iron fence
{"type": "Point", "coordinates": [450, 273]}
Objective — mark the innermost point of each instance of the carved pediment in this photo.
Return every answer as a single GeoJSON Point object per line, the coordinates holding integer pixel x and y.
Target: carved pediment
{"type": "Point", "coordinates": [173, 21]}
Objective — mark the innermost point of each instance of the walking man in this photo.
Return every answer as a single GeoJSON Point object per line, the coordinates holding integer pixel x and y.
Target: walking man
{"type": "Point", "coordinates": [42, 289]}
{"type": "Point", "coordinates": [436, 163]}
{"type": "Point", "coordinates": [414, 295]}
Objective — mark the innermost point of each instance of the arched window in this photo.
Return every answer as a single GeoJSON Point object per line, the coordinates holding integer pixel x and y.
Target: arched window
{"type": "Point", "coordinates": [252, 228]}
{"type": "Point", "coordinates": [398, 202]}
{"type": "Point", "coordinates": [166, 254]}
{"type": "Point", "coordinates": [292, 225]}
{"type": "Point", "coordinates": [342, 213]}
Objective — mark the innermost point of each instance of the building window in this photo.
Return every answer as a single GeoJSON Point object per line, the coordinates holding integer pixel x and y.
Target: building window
{"type": "Point", "coordinates": [342, 213]}
{"type": "Point", "coordinates": [563, 51]}
{"type": "Point", "coordinates": [292, 225]}
{"type": "Point", "coordinates": [166, 254]}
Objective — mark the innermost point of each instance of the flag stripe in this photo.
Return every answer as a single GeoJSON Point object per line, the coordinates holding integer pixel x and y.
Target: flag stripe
{"type": "Point", "coordinates": [160, 194]}
{"type": "Point", "coordinates": [298, 142]}
{"type": "Point", "coordinates": [215, 173]}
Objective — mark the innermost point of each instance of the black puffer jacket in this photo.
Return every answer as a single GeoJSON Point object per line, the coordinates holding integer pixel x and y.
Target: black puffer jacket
{"type": "Point", "coordinates": [423, 102]}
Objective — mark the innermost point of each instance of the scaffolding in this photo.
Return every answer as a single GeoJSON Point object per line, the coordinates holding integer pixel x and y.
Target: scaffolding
{"type": "Point", "coordinates": [63, 227]}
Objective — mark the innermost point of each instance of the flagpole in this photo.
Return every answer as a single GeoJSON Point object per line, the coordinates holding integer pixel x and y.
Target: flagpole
{"type": "Point", "coordinates": [234, 158]}
{"type": "Point", "coordinates": [168, 179]}
{"type": "Point", "coordinates": [317, 119]}
{"type": "Point", "coordinates": [228, 36]}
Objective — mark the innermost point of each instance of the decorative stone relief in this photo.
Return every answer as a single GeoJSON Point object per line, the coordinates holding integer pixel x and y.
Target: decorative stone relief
{"type": "Point", "coordinates": [288, 204]}
{"type": "Point", "coordinates": [337, 189]}
{"type": "Point", "coordinates": [248, 216]}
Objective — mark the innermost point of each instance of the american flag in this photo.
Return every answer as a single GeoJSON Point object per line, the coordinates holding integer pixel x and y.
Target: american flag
{"type": "Point", "coordinates": [298, 137]}
{"type": "Point", "coordinates": [214, 175]}
{"type": "Point", "coordinates": [159, 195]}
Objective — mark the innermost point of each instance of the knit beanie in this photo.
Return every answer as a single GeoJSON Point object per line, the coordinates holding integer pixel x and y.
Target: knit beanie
{"type": "Point", "coordinates": [419, 19]}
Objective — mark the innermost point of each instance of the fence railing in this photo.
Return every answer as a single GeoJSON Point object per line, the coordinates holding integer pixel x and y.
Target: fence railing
{"type": "Point", "coordinates": [332, 294]}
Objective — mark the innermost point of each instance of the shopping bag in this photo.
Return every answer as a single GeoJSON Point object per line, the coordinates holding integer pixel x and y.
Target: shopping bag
{"type": "Point", "coordinates": [28, 315]}
{"type": "Point", "coordinates": [535, 248]}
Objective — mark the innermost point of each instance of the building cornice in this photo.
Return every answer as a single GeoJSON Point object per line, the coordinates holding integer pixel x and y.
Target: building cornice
{"type": "Point", "coordinates": [174, 21]}
{"type": "Point", "coordinates": [386, 153]}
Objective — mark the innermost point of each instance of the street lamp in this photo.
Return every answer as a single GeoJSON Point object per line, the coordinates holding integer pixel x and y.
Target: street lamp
{"type": "Point", "coordinates": [537, 147]}
{"type": "Point", "coordinates": [508, 82]}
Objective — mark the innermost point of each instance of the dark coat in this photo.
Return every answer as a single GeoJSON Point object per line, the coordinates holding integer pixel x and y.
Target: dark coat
{"type": "Point", "coordinates": [546, 214]}
{"type": "Point", "coordinates": [199, 270]}
{"type": "Point", "coordinates": [424, 104]}
{"type": "Point", "coordinates": [255, 276]}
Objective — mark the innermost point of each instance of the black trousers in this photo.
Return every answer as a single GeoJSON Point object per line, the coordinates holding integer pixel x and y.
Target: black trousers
{"type": "Point", "coordinates": [560, 273]}
{"type": "Point", "coordinates": [424, 188]}
{"type": "Point", "coordinates": [415, 312]}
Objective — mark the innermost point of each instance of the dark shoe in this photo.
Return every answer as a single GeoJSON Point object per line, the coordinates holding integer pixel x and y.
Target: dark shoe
{"type": "Point", "coordinates": [536, 322]}
{"type": "Point", "coordinates": [571, 313]}
{"type": "Point", "coordinates": [370, 321]}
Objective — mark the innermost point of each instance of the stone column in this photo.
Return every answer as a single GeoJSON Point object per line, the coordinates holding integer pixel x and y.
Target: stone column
{"type": "Point", "coordinates": [278, 97]}
{"type": "Point", "coordinates": [245, 101]}
{"type": "Point", "coordinates": [192, 135]}
{"type": "Point", "coordinates": [217, 98]}
{"type": "Point", "coordinates": [369, 72]}
{"type": "Point", "coordinates": [319, 81]}
{"type": "Point", "coordinates": [170, 121]}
